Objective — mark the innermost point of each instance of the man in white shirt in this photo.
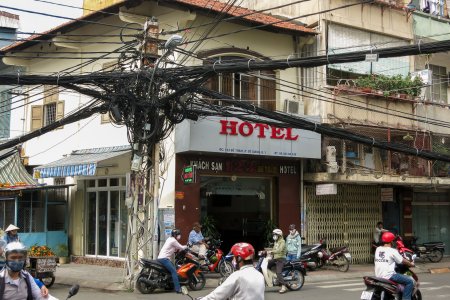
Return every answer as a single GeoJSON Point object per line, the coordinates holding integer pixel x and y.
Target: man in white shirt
{"type": "Point", "coordinates": [378, 231]}
{"type": "Point", "coordinates": [170, 247]}
{"type": "Point", "coordinates": [386, 258]}
{"type": "Point", "coordinates": [246, 283]}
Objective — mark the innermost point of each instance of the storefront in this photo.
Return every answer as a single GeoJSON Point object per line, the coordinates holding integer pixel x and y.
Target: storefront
{"type": "Point", "coordinates": [248, 176]}
{"type": "Point", "coordinates": [98, 215]}
{"type": "Point", "coordinates": [40, 211]}
{"type": "Point", "coordinates": [431, 216]}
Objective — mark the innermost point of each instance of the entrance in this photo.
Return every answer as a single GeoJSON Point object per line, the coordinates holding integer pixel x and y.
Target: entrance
{"type": "Point", "coordinates": [241, 208]}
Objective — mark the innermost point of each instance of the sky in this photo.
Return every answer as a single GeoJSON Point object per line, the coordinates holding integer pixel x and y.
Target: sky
{"type": "Point", "coordinates": [37, 23]}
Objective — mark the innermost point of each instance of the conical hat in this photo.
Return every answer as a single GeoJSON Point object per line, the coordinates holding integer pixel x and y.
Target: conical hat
{"type": "Point", "coordinates": [11, 227]}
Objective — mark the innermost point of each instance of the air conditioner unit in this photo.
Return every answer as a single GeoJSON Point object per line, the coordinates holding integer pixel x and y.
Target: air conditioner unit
{"type": "Point", "coordinates": [332, 167]}
{"type": "Point", "coordinates": [331, 154]}
{"type": "Point", "coordinates": [293, 107]}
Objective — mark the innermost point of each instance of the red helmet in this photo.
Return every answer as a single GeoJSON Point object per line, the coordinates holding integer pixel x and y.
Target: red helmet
{"type": "Point", "coordinates": [243, 250]}
{"type": "Point", "coordinates": [387, 237]}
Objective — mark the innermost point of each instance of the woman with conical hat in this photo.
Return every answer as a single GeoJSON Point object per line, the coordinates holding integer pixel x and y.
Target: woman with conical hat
{"type": "Point", "coordinates": [11, 234]}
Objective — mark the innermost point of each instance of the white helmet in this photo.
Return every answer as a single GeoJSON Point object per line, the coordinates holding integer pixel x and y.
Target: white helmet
{"type": "Point", "coordinates": [15, 247]}
{"type": "Point", "coordinates": [278, 231]}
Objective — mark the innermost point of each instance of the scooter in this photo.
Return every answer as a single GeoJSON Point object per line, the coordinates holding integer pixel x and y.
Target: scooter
{"type": "Point", "coordinates": [216, 260]}
{"type": "Point", "coordinates": [316, 256]}
{"type": "Point", "coordinates": [433, 251]}
{"type": "Point", "coordinates": [154, 275]}
{"type": "Point", "coordinates": [384, 289]}
{"type": "Point", "coordinates": [293, 272]}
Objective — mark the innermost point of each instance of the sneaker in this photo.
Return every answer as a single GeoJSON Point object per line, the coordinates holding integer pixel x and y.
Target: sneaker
{"type": "Point", "coordinates": [283, 289]}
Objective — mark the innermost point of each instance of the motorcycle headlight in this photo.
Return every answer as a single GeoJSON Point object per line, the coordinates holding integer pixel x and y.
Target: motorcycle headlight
{"type": "Point", "coordinates": [320, 254]}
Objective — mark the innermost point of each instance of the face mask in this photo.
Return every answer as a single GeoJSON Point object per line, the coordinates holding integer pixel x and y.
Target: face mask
{"type": "Point", "coordinates": [178, 237]}
{"type": "Point", "coordinates": [275, 237]}
{"type": "Point", "coordinates": [15, 265]}
{"type": "Point", "coordinates": [292, 231]}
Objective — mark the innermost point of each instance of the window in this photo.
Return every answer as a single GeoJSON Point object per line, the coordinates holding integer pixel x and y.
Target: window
{"type": "Point", "coordinates": [439, 84]}
{"type": "Point", "coordinates": [7, 211]}
{"type": "Point", "coordinates": [258, 88]}
{"type": "Point", "coordinates": [52, 110]}
{"type": "Point", "coordinates": [5, 113]}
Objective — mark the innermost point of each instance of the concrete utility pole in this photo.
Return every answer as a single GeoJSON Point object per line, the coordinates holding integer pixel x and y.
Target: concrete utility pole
{"type": "Point", "coordinates": [144, 182]}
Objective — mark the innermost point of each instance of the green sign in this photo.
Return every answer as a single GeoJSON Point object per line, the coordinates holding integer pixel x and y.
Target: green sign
{"type": "Point", "coordinates": [188, 174]}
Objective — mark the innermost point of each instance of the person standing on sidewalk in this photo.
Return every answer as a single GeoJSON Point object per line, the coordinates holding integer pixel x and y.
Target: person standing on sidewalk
{"type": "Point", "coordinates": [386, 258]}
{"type": "Point", "coordinates": [293, 244]}
{"type": "Point", "coordinates": [279, 257]}
{"type": "Point", "coordinates": [11, 234]}
{"type": "Point", "coordinates": [377, 232]}
{"type": "Point", "coordinates": [170, 247]}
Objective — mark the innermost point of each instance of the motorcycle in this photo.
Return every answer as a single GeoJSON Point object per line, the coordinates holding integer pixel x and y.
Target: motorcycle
{"type": "Point", "coordinates": [217, 261]}
{"type": "Point", "coordinates": [433, 251]}
{"type": "Point", "coordinates": [316, 256]}
{"type": "Point", "coordinates": [385, 289]}
{"type": "Point", "coordinates": [154, 275]}
{"type": "Point", "coordinates": [293, 272]}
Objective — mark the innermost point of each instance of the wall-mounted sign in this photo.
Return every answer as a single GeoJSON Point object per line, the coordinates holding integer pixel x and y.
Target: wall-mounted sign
{"type": "Point", "coordinates": [387, 194]}
{"type": "Point", "coordinates": [237, 137]}
{"type": "Point", "coordinates": [188, 174]}
{"type": "Point", "coordinates": [326, 189]}
{"type": "Point", "coordinates": [179, 195]}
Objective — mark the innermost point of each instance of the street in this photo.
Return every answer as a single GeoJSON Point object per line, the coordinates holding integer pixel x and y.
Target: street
{"type": "Point", "coordinates": [433, 286]}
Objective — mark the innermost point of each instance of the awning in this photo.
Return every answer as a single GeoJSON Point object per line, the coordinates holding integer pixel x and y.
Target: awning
{"type": "Point", "coordinates": [80, 163]}
{"type": "Point", "coordinates": [12, 172]}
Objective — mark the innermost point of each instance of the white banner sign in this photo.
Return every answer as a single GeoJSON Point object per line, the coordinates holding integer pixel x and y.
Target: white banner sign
{"type": "Point", "coordinates": [326, 189]}
{"type": "Point", "coordinates": [387, 194]}
{"type": "Point", "coordinates": [234, 136]}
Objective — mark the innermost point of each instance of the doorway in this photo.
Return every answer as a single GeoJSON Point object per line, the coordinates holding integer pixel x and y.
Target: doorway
{"type": "Point", "coordinates": [241, 207]}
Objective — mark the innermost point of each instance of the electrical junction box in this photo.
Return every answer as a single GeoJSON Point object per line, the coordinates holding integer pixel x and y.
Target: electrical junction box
{"type": "Point", "coordinates": [332, 167]}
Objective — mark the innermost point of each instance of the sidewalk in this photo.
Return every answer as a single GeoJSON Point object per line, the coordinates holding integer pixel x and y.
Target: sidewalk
{"type": "Point", "coordinates": [111, 279]}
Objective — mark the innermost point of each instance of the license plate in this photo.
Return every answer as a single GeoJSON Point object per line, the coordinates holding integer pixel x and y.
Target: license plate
{"type": "Point", "coordinates": [348, 255]}
{"type": "Point", "coordinates": [366, 295]}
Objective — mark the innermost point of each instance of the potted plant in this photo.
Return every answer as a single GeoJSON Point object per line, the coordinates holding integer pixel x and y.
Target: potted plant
{"type": "Point", "coordinates": [209, 228]}
{"type": "Point", "coordinates": [63, 253]}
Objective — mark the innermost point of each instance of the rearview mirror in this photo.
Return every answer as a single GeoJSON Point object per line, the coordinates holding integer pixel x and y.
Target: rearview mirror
{"type": "Point", "coordinates": [73, 290]}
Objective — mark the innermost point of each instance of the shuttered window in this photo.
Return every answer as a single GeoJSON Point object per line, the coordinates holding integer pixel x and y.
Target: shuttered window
{"type": "Point", "coordinates": [5, 114]}
{"type": "Point", "coordinates": [342, 39]}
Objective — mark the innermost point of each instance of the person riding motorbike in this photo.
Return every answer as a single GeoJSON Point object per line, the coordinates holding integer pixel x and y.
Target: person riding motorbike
{"type": "Point", "coordinates": [293, 244]}
{"type": "Point", "coordinates": [170, 247]}
{"type": "Point", "coordinates": [279, 257]}
{"type": "Point", "coordinates": [386, 258]}
{"type": "Point", "coordinates": [15, 282]}
{"type": "Point", "coordinates": [246, 283]}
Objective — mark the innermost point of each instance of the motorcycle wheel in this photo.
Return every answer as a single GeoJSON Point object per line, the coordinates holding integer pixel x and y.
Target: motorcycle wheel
{"type": "Point", "coordinates": [201, 281]}
{"type": "Point", "coordinates": [48, 280]}
{"type": "Point", "coordinates": [417, 296]}
{"type": "Point", "coordinates": [225, 268]}
{"type": "Point", "coordinates": [435, 255]}
{"type": "Point", "coordinates": [142, 287]}
{"type": "Point", "coordinates": [342, 263]}
{"type": "Point", "coordinates": [300, 280]}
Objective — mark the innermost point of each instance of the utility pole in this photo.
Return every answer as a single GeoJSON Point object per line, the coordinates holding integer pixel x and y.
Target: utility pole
{"type": "Point", "coordinates": [144, 183]}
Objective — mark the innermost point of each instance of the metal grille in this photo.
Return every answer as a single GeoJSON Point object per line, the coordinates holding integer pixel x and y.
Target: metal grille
{"type": "Point", "coordinates": [49, 113]}
{"type": "Point", "coordinates": [347, 218]}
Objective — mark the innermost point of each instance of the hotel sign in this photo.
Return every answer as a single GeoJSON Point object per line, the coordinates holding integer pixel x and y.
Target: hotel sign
{"type": "Point", "coordinates": [234, 136]}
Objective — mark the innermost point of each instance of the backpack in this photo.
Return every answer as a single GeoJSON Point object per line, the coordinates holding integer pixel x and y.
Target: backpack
{"type": "Point", "coordinates": [27, 280]}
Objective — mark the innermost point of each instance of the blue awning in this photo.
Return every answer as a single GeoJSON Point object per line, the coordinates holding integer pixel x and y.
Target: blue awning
{"type": "Point", "coordinates": [80, 162]}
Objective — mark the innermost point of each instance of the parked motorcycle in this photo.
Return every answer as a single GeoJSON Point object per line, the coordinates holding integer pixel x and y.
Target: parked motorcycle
{"type": "Point", "coordinates": [293, 272]}
{"type": "Point", "coordinates": [316, 256]}
{"type": "Point", "coordinates": [218, 262]}
{"type": "Point", "coordinates": [384, 289]}
{"type": "Point", "coordinates": [433, 251]}
{"type": "Point", "coordinates": [154, 275]}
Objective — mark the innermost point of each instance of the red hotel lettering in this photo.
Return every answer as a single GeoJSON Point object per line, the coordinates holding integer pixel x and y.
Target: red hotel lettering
{"type": "Point", "coordinates": [247, 129]}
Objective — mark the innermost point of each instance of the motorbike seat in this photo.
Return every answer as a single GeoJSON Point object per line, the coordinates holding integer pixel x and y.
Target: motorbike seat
{"type": "Point", "coordinates": [379, 279]}
{"type": "Point", "coordinates": [306, 248]}
{"type": "Point", "coordinates": [336, 249]}
{"type": "Point", "coordinates": [433, 244]}
{"type": "Point", "coordinates": [151, 262]}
